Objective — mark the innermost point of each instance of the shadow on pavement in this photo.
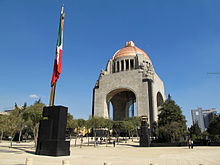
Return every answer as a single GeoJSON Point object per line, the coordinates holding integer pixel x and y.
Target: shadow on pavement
{"type": "Point", "coordinates": [25, 149]}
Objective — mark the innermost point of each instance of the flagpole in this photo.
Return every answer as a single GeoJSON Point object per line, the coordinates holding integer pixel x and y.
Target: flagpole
{"type": "Point", "coordinates": [52, 94]}
{"type": "Point", "coordinates": [53, 88]}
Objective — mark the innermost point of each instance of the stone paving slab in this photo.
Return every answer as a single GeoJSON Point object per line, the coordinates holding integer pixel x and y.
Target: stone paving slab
{"type": "Point", "coordinates": [122, 154]}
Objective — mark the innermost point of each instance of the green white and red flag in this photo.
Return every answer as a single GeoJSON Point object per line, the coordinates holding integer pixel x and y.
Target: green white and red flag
{"type": "Point", "coordinates": [59, 49]}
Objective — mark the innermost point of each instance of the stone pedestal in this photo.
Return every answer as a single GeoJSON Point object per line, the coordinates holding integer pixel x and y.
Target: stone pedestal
{"type": "Point", "coordinates": [144, 133]}
{"type": "Point", "coordinates": [52, 131]}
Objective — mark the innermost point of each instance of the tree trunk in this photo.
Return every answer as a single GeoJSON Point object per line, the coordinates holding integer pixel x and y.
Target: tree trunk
{"type": "Point", "coordinates": [35, 132]}
{"type": "Point", "coordinates": [35, 138]}
{"type": "Point", "coordinates": [2, 132]}
{"type": "Point", "coordinates": [95, 140]}
{"type": "Point", "coordinates": [19, 137]}
{"type": "Point", "coordinates": [132, 136]}
{"type": "Point", "coordinates": [75, 141]}
{"type": "Point", "coordinates": [11, 143]}
{"type": "Point", "coordinates": [118, 139]}
{"type": "Point", "coordinates": [81, 142]}
{"type": "Point", "coordinates": [88, 139]}
{"type": "Point", "coordinates": [106, 140]}
{"type": "Point", "coordinates": [12, 137]}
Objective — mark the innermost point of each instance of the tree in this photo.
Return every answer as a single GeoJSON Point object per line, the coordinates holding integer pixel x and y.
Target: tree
{"type": "Point", "coordinates": [97, 122]}
{"type": "Point", "coordinates": [94, 123]}
{"type": "Point", "coordinates": [128, 126]}
{"type": "Point", "coordinates": [195, 131]}
{"type": "Point", "coordinates": [71, 124]}
{"type": "Point", "coordinates": [171, 122]}
{"type": "Point", "coordinates": [81, 123]}
{"type": "Point", "coordinates": [3, 126]}
{"type": "Point", "coordinates": [214, 128]}
{"type": "Point", "coordinates": [108, 123]}
{"type": "Point", "coordinates": [12, 124]}
{"type": "Point", "coordinates": [33, 115]}
{"type": "Point", "coordinates": [136, 122]}
{"type": "Point", "coordinates": [154, 129]}
{"type": "Point", "coordinates": [21, 119]}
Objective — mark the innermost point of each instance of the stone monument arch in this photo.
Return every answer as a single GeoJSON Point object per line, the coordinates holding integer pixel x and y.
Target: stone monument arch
{"type": "Point", "coordinates": [121, 99]}
{"type": "Point", "coordinates": [129, 78]}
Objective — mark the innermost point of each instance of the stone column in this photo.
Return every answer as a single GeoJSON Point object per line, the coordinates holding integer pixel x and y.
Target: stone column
{"type": "Point", "coordinates": [129, 66]}
{"type": "Point", "coordinates": [125, 65]}
{"type": "Point", "coordinates": [134, 63]}
{"type": "Point", "coordinates": [115, 66]}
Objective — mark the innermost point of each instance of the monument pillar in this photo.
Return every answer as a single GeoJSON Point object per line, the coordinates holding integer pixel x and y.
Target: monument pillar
{"type": "Point", "coordinates": [52, 131]}
{"type": "Point", "coordinates": [145, 133]}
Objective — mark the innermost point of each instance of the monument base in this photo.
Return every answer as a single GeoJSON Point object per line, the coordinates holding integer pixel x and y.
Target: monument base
{"type": "Point", "coordinates": [145, 133]}
{"type": "Point", "coordinates": [54, 148]}
{"type": "Point", "coordinates": [52, 131]}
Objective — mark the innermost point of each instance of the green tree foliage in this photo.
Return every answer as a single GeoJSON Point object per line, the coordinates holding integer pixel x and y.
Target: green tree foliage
{"type": "Point", "coordinates": [108, 124]}
{"type": "Point", "coordinates": [214, 128]}
{"type": "Point", "coordinates": [118, 127]}
{"type": "Point", "coordinates": [33, 115]}
{"type": "Point", "coordinates": [128, 126]}
{"type": "Point", "coordinates": [70, 120]}
{"type": "Point", "coordinates": [195, 132]}
{"type": "Point", "coordinates": [71, 124]}
{"type": "Point", "coordinates": [195, 129]}
{"type": "Point", "coordinates": [3, 126]}
{"type": "Point", "coordinates": [154, 127]}
{"type": "Point", "coordinates": [171, 122]}
{"type": "Point", "coordinates": [13, 123]}
{"type": "Point", "coordinates": [21, 119]}
{"type": "Point", "coordinates": [135, 123]}
{"type": "Point", "coordinates": [81, 123]}
{"type": "Point", "coordinates": [96, 122]}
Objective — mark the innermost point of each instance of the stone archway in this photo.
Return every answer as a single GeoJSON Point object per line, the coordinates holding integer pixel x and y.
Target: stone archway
{"type": "Point", "coordinates": [123, 103]}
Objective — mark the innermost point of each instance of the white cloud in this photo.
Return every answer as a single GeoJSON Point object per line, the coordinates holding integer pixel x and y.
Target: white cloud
{"type": "Point", "coordinates": [33, 96]}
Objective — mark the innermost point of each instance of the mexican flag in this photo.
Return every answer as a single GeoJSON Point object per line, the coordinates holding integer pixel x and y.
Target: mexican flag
{"type": "Point", "coordinates": [59, 49]}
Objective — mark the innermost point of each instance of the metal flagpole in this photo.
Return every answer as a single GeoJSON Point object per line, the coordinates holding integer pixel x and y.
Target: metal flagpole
{"type": "Point", "coordinates": [52, 94]}
{"type": "Point", "coordinates": [53, 88]}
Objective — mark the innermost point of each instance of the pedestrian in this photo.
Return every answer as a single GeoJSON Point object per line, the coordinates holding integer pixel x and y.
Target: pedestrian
{"type": "Point", "coordinates": [190, 143]}
{"type": "Point", "coordinates": [81, 142]}
{"type": "Point", "coordinates": [114, 143]}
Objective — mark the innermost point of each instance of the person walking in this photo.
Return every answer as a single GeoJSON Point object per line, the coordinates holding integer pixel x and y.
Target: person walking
{"type": "Point", "coordinates": [114, 143]}
{"type": "Point", "coordinates": [190, 143]}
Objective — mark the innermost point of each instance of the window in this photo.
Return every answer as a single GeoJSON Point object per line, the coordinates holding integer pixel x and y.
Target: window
{"type": "Point", "coordinates": [117, 66]}
{"type": "Point", "coordinates": [132, 64]}
{"type": "Point", "coordinates": [113, 67]}
{"type": "Point", "coordinates": [122, 65]}
{"type": "Point", "coordinates": [127, 64]}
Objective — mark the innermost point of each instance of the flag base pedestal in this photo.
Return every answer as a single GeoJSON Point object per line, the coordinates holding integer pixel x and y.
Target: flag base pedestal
{"type": "Point", "coordinates": [52, 131]}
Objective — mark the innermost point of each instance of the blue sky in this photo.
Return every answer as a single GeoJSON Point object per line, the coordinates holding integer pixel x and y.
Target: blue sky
{"type": "Point", "coordinates": [182, 39]}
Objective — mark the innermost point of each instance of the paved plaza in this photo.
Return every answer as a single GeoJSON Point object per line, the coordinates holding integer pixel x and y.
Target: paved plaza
{"type": "Point", "coordinates": [123, 154]}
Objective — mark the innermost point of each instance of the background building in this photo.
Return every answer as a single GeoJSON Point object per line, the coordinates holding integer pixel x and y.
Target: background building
{"type": "Point", "coordinates": [203, 117]}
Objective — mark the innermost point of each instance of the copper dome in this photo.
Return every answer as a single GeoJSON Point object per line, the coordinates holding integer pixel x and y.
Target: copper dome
{"type": "Point", "coordinates": [129, 50]}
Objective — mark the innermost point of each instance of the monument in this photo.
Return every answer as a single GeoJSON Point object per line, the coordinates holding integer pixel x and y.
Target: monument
{"type": "Point", "coordinates": [128, 80]}
{"type": "Point", "coordinates": [52, 130]}
{"type": "Point", "coordinates": [144, 132]}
